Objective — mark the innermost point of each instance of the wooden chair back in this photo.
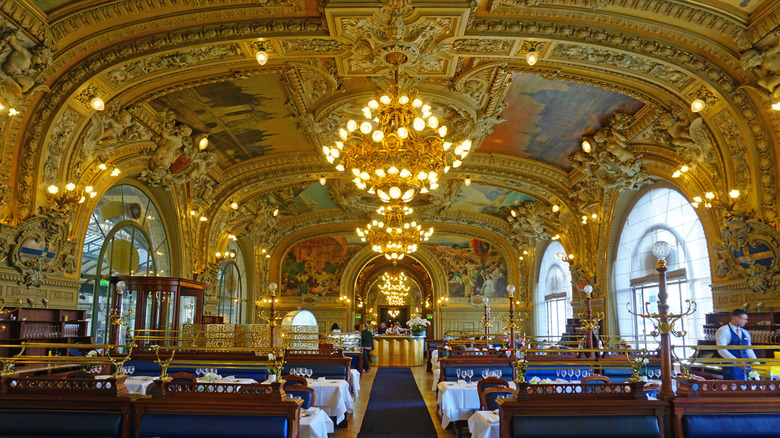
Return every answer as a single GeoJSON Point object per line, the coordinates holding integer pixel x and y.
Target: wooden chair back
{"type": "Point", "coordinates": [596, 378]}
{"type": "Point", "coordinates": [292, 379]}
{"type": "Point", "coordinates": [301, 391]}
{"type": "Point", "coordinates": [488, 397]}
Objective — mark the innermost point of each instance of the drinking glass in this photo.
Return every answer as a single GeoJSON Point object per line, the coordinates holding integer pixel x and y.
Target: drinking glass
{"type": "Point", "coordinates": [309, 372]}
{"type": "Point", "coordinates": [558, 372]}
{"type": "Point", "coordinates": [457, 372]}
{"type": "Point", "coordinates": [470, 374]}
{"type": "Point", "coordinates": [578, 373]}
{"type": "Point", "coordinates": [485, 373]}
{"type": "Point", "coordinates": [131, 370]}
{"type": "Point", "coordinates": [499, 373]}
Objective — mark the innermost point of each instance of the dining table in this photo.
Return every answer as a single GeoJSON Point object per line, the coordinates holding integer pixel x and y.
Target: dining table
{"type": "Point", "coordinates": [332, 396]}
{"type": "Point", "coordinates": [355, 383]}
{"type": "Point", "coordinates": [315, 423]}
{"type": "Point", "coordinates": [458, 401]}
{"type": "Point", "coordinates": [484, 424]}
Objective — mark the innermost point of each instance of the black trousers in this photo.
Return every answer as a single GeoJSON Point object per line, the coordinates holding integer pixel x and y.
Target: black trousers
{"type": "Point", "coordinates": [366, 359]}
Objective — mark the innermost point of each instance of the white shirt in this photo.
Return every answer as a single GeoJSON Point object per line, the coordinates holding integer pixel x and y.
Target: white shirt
{"type": "Point", "coordinates": [723, 337]}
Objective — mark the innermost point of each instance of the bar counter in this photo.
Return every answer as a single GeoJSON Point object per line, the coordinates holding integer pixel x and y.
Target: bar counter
{"type": "Point", "coordinates": [399, 351]}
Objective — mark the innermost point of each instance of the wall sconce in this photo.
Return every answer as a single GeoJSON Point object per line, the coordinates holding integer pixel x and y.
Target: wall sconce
{"type": "Point", "coordinates": [234, 205]}
{"type": "Point", "coordinates": [227, 255]}
{"type": "Point", "coordinates": [556, 237]}
{"type": "Point", "coordinates": [585, 218]}
{"type": "Point", "coordinates": [323, 180]}
{"type": "Point", "coordinates": [531, 57]}
{"type": "Point", "coordinates": [114, 170]}
{"type": "Point", "coordinates": [196, 214]}
{"type": "Point", "coordinates": [70, 196]}
{"type": "Point", "coordinates": [344, 300]}
{"type": "Point", "coordinates": [566, 258]}
{"type": "Point", "coordinates": [710, 200]}
{"type": "Point", "coordinates": [261, 56]}
{"type": "Point", "coordinates": [467, 181]}
{"type": "Point", "coordinates": [678, 173]}
{"type": "Point", "coordinates": [97, 104]}
{"type": "Point", "coordinates": [556, 208]}
{"type": "Point", "coordinates": [202, 141]}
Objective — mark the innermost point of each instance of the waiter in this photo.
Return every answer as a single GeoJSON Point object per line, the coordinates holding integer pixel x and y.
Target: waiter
{"type": "Point", "coordinates": [734, 333]}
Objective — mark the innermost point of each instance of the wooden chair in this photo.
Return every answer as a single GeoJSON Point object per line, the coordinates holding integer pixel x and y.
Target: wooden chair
{"type": "Point", "coordinates": [292, 379]}
{"type": "Point", "coordinates": [183, 377]}
{"type": "Point", "coordinates": [490, 382]}
{"type": "Point", "coordinates": [304, 392]}
{"type": "Point", "coordinates": [487, 399]}
{"type": "Point", "coordinates": [596, 378]}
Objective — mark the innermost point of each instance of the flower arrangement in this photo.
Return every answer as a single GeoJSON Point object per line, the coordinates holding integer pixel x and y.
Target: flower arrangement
{"type": "Point", "coordinates": [418, 324]}
{"type": "Point", "coordinates": [537, 381]}
{"type": "Point", "coordinates": [212, 377]}
{"type": "Point", "coordinates": [753, 375]}
{"type": "Point", "coordinates": [641, 364]}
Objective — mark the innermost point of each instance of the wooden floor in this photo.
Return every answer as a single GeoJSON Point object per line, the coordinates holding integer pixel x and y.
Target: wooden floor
{"type": "Point", "coordinates": [424, 381]}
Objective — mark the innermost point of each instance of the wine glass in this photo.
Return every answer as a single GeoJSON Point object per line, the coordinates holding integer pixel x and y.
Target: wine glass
{"type": "Point", "coordinates": [578, 373]}
{"type": "Point", "coordinates": [457, 372]}
{"type": "Point", "coordinates": [309, 372]}
{"type": "Point", "coordinates": [485, 373]}
{"type": "Point", "coordinates": [471, 374]}
{"type": "Point", "coordinates": [499, 373]}
{"type": "Point", "coordinates": [131, 370]}
{"type": "Point", "coordinates": [558, 373]}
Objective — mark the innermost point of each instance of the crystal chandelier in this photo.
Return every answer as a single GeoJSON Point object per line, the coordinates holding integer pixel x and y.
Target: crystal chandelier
{"type": "Point", "coordinates": [400, 149]}
{"type": "Point", "coordinates": [395, 288]}
{"type": "Point", "coordinates": [394, 237]}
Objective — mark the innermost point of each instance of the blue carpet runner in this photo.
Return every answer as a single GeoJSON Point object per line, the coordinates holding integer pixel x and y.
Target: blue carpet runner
{"type": "Point", "coordinates": [395, 407]}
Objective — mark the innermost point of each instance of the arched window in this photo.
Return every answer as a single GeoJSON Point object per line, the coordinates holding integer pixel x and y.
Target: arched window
{"type": "Point", "coordinates": [553, 294]}
{"type": "Point", "coordinates": [232, 287]}
{"type": "Point", "coordinates": [662, 214]}
{"type": "Point", "coordinates": [125, 236]}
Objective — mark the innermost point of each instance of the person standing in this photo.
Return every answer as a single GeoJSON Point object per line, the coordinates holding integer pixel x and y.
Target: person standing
{"type": "Point", "coordinates": [367, 343]}
{"type": "Point", "coordinates": [734, 333]}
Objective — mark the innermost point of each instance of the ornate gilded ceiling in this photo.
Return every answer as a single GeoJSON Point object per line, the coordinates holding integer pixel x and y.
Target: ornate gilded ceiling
{"type": "Point", "coordinates": [619, 73]}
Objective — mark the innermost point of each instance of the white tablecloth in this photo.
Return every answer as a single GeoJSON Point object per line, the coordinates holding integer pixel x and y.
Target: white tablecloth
{"type": "Point", "coordinates": [458, 401]}
{"type": "Point", "coordinates": [316, 425]}
{"type": "Point", "coordinates": [484, 424]}
{"type": "Point", "coordinates": [355, 383]}
{"type": "Point", "coordinates": [434, 359]}
{"type": "Point", "coordinates": [333, 397]}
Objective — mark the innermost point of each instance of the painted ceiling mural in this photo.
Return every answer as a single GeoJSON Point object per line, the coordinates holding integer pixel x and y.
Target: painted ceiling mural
{"type": "Point", "coordinates": [314, 266]}
{"type": "Point", "coordinates": [244, 118]}
{"type": "Point", "coordinates": [298, 199]}
{"type": "Point", "coordinates": [545, 120]}
{"type": "Point", "coordinates": [472, 266]}
{"type": "Point", "coordinates": [487, 199]}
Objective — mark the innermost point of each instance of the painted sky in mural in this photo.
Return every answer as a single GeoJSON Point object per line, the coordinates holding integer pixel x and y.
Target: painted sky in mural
{"type": "Point", "coordinates": [472, 266]}
{"type": "Point", "coordinates": [244, 118]}
{"type": "Point", "coordinates": [315, 266]}
{"type": "Point", "coordinates": [298, 199]}
{"type": "Point", "coordinates": [545, 120]}
{"type": "Point", "coordinates": [487, 199]}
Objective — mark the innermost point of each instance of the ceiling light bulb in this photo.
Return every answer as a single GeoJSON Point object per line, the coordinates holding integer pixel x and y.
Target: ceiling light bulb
{"type": "Point", "coordinates": [734, 194]}
{"type": "Point", "coordinates": [697, 105]}
{"type": "Point", "coordinates": [594, 216]}
{"type": "Point", "coordinates": [676, 174]}
{"type": "Point", "coordinates": [378, 135]}
{"type": "Point", "coordinates": [53, 189]}
{"type": "Point", "coordinates": [340, 167]}
{"type": "Point", "coordinates": [70, 187]}
{"type": "Point", "coordinates": [373, 104]}
{"type": "Point", "coordinates": [97, 104]}
{"type": "Point", "coordinates": [417, 103]}
{"type": "Point", "coordinates": [234, 205]}
{"type": "Point", "coordinates": [365, 127]}
{"type": "Point", "coordinates": [405, 173]}
{"type": "Point", "coordinates": [442, 131]}
{"type": "Point", "coordinates": [456, 163]}
{"type": "Point", "coordinates": [351, 125]}
{"type": "Point", "coordinates": [513, 213]}
{"type": "Point", "coordinates": [776, 106]}
{"type": "Point", "coordinates": [261, 56]}
{"type": "Point", "coordinates": [203, 143]}
{"type": "Point", "coordinates": [276, 212]}
{"type": "Point", "coordinates": [323, 180]}
{"type": "Point", "coordinates": [531, 57]}
{"type": "Point", "coordinates": [683, 168]}
{"type": "Point", "coordinates": [555, 208]}
{"type": "Point", "coordinates": [12, 112]}
{"type": "Point", "coordinates": [467, 181]}
{"type": "Point", "coordinates": [433, 122]}
{"type": "Point", "coordinates": [343, 133]}
{"type": "Point", "coordinates": [418, 124]}
{"type": "Point", "coordinates": [395, 192]}
{"type": "Point", "coordinates": [586, 146]}
{"type": "Point", "coordinates": [403, 133]}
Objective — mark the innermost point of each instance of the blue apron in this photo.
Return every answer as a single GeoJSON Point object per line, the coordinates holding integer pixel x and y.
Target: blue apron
{"type": "Point", "coordinates": [736, 373]}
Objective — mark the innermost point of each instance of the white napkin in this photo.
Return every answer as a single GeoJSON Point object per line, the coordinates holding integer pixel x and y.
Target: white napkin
{"type": "Point", "coordinates": [312, 410]}
{"type": "Point", "coordinates": [320, 379]}
{"type": "Point", "coordinates": [229, 379]}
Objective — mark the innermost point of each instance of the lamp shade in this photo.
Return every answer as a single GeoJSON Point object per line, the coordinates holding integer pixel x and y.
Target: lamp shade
{"type": "Point", "coordinates": [661, 250]}
{"type": "Point", "coordinates": [510, 288]}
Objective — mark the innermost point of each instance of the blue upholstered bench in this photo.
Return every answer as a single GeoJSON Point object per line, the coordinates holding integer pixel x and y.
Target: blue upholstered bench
{"type": "Point", "coordinates": [586, 426]}
{"type": "Point", "coordinates": [210, 426]}
{"type": "Point", "coordinates": [147, 368]}
{"type": "Point", "coordinates": [730, 425]}
{"type": "Point", "coordinates": [59, 423]}
{"type": "Point", "coordinates": [326, 370]}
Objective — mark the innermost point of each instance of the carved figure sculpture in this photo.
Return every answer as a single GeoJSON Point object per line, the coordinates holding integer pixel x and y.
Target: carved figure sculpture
{"type": "Point", "coordinates": [171, 142]}
{"type": "Point", "coordinates": [766, 66]}
{"type": "Point", "coordinates": [21, 66]}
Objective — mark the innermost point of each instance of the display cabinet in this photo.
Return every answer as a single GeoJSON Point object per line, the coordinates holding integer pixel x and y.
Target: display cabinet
{"type": "Point", "coordinates": [156, 306]}
{"type": "Point", "coordinates": [42, 326]}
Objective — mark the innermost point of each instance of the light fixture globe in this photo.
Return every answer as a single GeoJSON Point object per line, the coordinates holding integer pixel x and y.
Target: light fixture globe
{"type": "Point", "coordinates": [661, 250]}
{"type": "Point", "coordinates": [393, 236]}
{"type": "Point", "coordinates": [399, 150]}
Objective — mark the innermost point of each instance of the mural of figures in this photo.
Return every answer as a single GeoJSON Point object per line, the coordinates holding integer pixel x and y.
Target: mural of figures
{"type": "Point", "coordinates": [472, 266]}
{"type": "Point", "coordinates": [314, 267]}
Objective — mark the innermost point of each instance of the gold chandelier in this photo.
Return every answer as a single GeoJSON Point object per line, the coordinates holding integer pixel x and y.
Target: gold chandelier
{"type": "Point", "coordinates": [399, 150]}
{"type": "Point", "coordinates": [394, 237]}
{"type": "Point", "coordinates": [395, 288]}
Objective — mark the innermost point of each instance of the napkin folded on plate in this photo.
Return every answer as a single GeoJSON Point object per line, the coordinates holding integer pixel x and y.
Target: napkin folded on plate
{"type": "Point", "coordinates": [320, 379]}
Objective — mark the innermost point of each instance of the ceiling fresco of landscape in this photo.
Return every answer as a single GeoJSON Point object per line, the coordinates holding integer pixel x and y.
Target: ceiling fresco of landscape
{"type": "Point", "coordinates": [486, 199]}
{"type": "Point", "coordinates": [545, 120]}
{"type": "Point", "coordinates": [297, 199]}
{"type": "Point", "coordinates": [244, 118]}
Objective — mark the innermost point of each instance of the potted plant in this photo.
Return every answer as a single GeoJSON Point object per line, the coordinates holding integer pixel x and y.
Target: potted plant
{"type": "Point", "coordinates": [418, 325]}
